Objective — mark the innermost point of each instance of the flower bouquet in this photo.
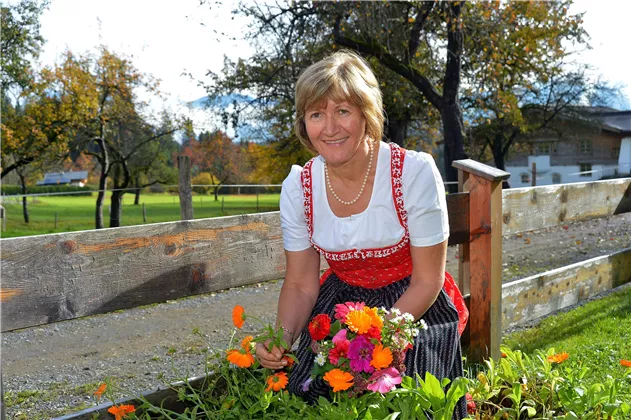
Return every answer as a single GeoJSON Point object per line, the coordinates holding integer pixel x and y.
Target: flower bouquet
{"type": "Point", "coordinates": [363, 349]}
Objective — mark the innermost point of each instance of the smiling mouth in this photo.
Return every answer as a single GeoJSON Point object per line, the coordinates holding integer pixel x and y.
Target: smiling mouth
{"type": "Point", "coordinates": [336, 141]}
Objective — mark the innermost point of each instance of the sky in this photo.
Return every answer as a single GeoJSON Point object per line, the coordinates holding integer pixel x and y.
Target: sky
{"type": "Point", "coordinates": [168, 38]}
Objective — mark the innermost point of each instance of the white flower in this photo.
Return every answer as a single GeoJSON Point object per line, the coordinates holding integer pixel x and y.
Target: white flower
{"type": "Point", "coordinates": [408, 317]}
{"type": "Point", "coordinates": [423, 324]}
{"type": "Point", "coordinates": [395, 311]}
{"type": "Point", "coordinates": [414, 332]}
{"type": "Point", "coordinates": [320, 359]}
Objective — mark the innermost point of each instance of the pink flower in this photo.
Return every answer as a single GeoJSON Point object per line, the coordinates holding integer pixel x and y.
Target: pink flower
{"type": "Point", "coordinates": [385, 380]}
{"type": "Point", "coordinates": [360, 354]}
{"type": "Point", "coordinates": [340, 336]}
{"type": "Point", "coordinates": [342, 309]}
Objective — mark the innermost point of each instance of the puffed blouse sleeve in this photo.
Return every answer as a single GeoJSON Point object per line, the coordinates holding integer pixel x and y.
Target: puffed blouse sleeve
{"type": "Point", "coordinates": [292, 215]}
{"type": "Point", "coordinates": [424, 200]}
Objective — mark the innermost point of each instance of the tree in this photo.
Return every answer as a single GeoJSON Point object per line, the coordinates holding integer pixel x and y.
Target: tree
{"type": "Point", "coordinates": [20, 43]}
{"type": "Point", "coordinates": [47, 115]}
{"type": "Point", "coordinates": [519, 79]}
{"type": "Point", "coordinates": [389, 33]}
{"type": "Point", "coordinates": [137, 151]}
{"type": "Point", "coordinates": [217, 155]}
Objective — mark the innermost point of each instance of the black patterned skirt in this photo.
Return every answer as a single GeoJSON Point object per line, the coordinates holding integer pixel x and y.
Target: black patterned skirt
{"type": "Point", "coordinates": [436, 349]}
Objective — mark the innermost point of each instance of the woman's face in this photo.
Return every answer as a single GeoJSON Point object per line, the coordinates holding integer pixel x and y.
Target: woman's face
{"type": "Point", "coordinates": [336, 130]}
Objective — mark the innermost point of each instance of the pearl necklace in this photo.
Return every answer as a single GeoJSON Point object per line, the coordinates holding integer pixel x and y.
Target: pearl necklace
{"type": "Point", "coordinates": [361, 190]}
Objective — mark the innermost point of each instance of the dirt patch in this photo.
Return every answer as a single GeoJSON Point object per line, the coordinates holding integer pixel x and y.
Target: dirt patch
{"type": "Point", "coordinates": [54, 369]}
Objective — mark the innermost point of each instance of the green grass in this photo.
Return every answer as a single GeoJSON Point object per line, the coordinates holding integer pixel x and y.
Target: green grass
{"type": "Point", "coordinates": [596, 335]}
{"type": "Point", "coordinates": [78, 213]}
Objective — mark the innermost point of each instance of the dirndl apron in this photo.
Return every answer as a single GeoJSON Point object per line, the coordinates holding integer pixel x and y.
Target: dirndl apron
{"type": "Point", "coordinates": [378, 277]}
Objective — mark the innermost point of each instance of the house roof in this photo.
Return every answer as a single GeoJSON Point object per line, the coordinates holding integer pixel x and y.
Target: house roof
{"type": "Point", "coordinates": [63, 177]}
{"type": "Point", "coordinates": [620, 120]}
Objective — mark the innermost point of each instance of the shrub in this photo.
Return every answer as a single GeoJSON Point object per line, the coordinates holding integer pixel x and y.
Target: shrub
{"type": "Point", "coordinates": [38, 189]}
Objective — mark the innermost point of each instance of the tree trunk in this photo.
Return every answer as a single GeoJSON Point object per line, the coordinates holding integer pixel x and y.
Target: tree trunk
{"type": "Point", "coordinates": [137, 192]}
{"type": "Point", "coordinates": [217, 192]}
{"type": "Point", "coordinates": [453, 128]}
{"type": "Point", "coordinates": [24, 199]}
{"type": "Point", "coordinates": [104, 161]}
{"type": "Point", "coordinates": [117, 208]}
{"type": "Point", "coordinates": [398, 131]}
{"type": "Point", "coordinates": [454, 142]}
{"type": "Point", "coordinates": [99, 200]}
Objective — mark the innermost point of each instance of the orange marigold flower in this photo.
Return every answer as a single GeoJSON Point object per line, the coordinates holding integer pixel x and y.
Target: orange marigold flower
{"type": "Point", "coordinates": [241, 358]}
{"type": "Point", "coordinates": [338, 380]}
{"type": "Point", "coordinates": [358, 321]}
{"type": "Point", "coordinates": [245, 343]}
{"type": "Point", "coordinates": [375, 320]}
{"type": "Point", "coordinates": [100, 391]}
{"type": "Point", "coordinates": [277, 381]}
{"type": "Point", "coordinates": [290, 361]}
{"type": "Point", "coordinates": [625, 363]}
{"type": "Point", "coordinates": [558, 358]}
{"type": "Point", "coordinates": [121, 411]}
{"type": "Point", "coordinates": [238, 316]}
{"type": "Point", "coordinates": [381, 357]}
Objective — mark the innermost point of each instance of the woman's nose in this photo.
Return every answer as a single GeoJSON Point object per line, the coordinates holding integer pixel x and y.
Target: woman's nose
{"type": "Point", "coordinates": [330, 127]}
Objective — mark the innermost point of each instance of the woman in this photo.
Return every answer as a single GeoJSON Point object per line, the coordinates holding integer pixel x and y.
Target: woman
{"type": "Point", "coordinates": [376, 212]}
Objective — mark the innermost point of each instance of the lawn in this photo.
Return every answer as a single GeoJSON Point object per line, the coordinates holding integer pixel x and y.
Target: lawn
{"type": "Point", "coordinates": [596, 335]}
{"type": "Point", "coordinates": [77, 213]}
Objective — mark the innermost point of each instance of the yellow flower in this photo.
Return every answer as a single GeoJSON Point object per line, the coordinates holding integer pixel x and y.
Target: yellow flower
{"type": "Point", "coordinates": [358, 321]}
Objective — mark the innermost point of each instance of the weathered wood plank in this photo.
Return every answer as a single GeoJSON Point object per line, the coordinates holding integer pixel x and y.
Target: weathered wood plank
{"type": "Point", "coordinates": [51, 278]}
{"type": "Point", "coordinates": [480, 169]}
{"type": "Point", "coordinates": [184, 187]}
{"type": "Point", "coordinates": [480, 290]}
{"type": "Point", "coordinates": [542, 294]}
{"type": "Point", "coordinates": [540, 207]}
{"type": "Point", "coordinates": [458, 209]}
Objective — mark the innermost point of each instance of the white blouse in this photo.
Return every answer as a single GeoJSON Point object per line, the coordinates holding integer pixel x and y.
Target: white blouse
{"type": "Point", "coordinates": [378, 226]}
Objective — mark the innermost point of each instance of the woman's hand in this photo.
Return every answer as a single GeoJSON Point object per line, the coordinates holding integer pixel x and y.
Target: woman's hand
{"type": "Point", "coordinates": [270, 358]}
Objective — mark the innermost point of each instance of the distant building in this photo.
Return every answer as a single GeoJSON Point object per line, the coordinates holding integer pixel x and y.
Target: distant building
{"type": "Point", "coordinates": [79, 178]}
{"type": "Point", "coordinates": [588, 150]}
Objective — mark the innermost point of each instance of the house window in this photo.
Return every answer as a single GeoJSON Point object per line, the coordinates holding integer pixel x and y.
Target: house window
{"type": "Point", "coordinates": [542, 148]}
{"type": "Point", "coordinates": [586, 146]}
{"type": "Point", "coordinates": [586, 169]}
{"type": "Point", "coordinates": [615, 152]}
{"type": "Point", "coordinates": [556, 178]}
{"type": "Point", "coordinates": [525, 179]}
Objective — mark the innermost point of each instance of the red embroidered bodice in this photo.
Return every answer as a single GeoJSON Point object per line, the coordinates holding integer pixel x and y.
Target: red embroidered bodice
{"type": "Point", "coordinates": [376, 267]}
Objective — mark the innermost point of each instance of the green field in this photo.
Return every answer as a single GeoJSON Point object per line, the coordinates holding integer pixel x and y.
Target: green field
{"type": "Point", "coordinates": [77, 213]}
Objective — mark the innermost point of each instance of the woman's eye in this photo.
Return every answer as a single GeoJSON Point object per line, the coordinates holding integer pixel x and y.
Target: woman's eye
{"type": "Point", "coordinates": [343, 111]}
{"type": "Point", "coordinates": [314, 115]}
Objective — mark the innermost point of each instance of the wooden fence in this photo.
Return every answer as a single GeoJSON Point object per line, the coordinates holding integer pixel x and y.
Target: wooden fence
{"type": "Point", "coordinates": [56, 277]}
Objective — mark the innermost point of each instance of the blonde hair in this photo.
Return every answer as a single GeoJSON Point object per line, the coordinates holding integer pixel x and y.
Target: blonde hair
{"type": "Point", "coordinates": [342, 76]}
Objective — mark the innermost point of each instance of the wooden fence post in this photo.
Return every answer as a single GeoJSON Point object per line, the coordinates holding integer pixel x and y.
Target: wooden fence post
{"type": "Point", "coordinates": [144, 213]}
{"type": "Point", "coordinates": [481, 257]}
{"type": "Point", "coordinates": [3, 216]}
{"type": "Point", "coordinates": [2, 409]}
{"type": "Point", "coordinates": [184, 185]}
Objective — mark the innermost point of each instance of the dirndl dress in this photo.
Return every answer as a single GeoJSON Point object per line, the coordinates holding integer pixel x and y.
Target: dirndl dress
{"type": "Point", "coordinates": [378, 277]}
